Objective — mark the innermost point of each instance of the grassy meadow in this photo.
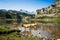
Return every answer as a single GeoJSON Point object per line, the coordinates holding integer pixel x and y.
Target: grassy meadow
{"type": "Point", "coordinates": [13, 34]}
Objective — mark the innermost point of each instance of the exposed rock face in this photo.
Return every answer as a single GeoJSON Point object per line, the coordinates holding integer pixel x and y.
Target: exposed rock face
{"type": "Point", "coordinates": [52, 9]}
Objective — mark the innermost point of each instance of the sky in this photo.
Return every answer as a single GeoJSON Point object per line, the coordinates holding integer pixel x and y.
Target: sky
{"type": "Point", "coordinates": [29, 5]}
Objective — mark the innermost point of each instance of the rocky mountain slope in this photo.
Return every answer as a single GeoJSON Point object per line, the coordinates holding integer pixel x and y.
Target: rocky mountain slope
{"type": "Point", "coordinates": [52, 11]}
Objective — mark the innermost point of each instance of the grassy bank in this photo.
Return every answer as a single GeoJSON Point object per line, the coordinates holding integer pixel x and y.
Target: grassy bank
{"type": "Point", "coordinates": [13, 34]}
{"type": "Point", "coordinates": [54, 20]}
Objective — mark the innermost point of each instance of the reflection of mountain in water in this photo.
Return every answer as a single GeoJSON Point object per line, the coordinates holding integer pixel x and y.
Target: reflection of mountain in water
{"type": "Point", "coordinates": [37, 33]}
{"type": "Point", "coordinates": [41, 34]}
{"type": "Point", "coordinates": [53, 28]}
{"type": "Point", "coordinates": [47, 29]}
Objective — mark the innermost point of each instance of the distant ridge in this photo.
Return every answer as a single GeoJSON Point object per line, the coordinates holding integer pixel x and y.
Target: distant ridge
{"type": "Point", "coordinates": [52, 9]}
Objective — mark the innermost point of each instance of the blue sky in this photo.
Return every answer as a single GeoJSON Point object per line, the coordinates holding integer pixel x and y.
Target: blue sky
{"type": "Point", "coordinates": [30, 5]}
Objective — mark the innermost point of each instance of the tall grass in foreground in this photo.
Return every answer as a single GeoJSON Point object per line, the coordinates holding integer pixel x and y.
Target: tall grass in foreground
{"type": "Point", "coordinates": [13, 35]}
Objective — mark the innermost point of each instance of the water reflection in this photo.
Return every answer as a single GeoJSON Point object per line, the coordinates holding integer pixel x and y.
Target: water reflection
{"type": "Point", "coordinates": [46, 29]}
{"type": "Point", "coordinates": [53, 28]}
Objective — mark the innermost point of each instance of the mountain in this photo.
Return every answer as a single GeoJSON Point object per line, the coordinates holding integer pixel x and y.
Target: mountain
{"type": "Point", "coordinates": [25, 11]}
{"type": "Point", "coordinates": [13, 14]}
{"type": "Point", "coordinates": [50, 10]}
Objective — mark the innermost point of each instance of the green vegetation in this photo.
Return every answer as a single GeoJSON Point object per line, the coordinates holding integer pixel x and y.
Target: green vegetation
{"type": "Point", "coordinates": [13, 15]}
{"type": "Point", "coordinates": [52, 9]}
{"type": "Point", "coordinates": [16, 16]}
{"type": "Point", "coordinates": [52, 20]}
{"type": "Point", "coordinates": [13, 35]}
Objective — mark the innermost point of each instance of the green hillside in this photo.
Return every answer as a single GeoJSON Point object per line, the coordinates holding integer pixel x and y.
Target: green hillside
{"type": "Point", "coordinates": [9, 15]}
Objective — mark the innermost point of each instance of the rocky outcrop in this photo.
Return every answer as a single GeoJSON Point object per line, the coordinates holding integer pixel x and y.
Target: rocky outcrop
{"type": "Point", "coordinates": [52, 9]}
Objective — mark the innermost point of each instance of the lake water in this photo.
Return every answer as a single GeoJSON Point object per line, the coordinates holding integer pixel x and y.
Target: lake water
{"type": "Point", "coordinates": [45, 29]}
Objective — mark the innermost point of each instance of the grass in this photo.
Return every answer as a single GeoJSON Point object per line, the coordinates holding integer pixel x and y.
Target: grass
{"type": "Point", "coordinates": [13, 35]}
{"type": "Point", "coordinates": [54, 20]}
